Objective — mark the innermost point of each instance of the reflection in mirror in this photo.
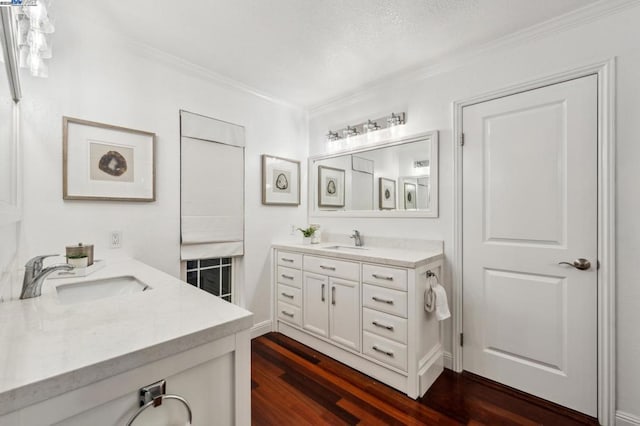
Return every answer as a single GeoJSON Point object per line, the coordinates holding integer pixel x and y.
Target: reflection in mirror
{"type": "Point", "coordinates": [6, 135]}
{"type": "Point", "coordinates": [388, 179]}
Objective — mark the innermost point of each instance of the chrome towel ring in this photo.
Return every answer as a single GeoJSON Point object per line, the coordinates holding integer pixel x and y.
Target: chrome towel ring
{"type": "Point", "coordinates": [157, 402]}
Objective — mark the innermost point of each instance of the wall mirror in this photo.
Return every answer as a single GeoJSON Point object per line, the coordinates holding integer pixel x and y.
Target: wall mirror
{"type": "Point", "coordinates": [9, 115]}
{"type": "Point", "coordinates": [395, 178]}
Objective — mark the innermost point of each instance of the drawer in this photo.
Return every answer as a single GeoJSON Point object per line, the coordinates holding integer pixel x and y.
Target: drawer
{"type": "Point", "coordinates": [290, 295]}
{"type": "Point", "coordinates": [384, 299]}
{"type": "Point", "coordinates": [289, 276]}
{"type": "Point", "coordinates": [289, 313]}
{"type": "Point", "coordinates": [385, 350]}
{"type": "Point", "coordinates": [385, 276]}
{"type": "Point", "coordinates": [385, 325]}
{"type": "Point", "coordinates": [332, 267]}
{"type": "Point", "coordinates": [291, 260]}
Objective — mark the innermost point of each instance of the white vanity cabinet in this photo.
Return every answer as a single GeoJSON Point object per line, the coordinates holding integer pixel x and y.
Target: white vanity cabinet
{"type": "Point", "coordinates": [331, 308]}
{"type": "Point", "coordinates": [363, 312]}
{"type": "Point", "coordinates": [212, 378]}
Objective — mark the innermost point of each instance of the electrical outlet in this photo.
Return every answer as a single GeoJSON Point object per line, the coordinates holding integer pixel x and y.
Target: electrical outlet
{"type": "Point", "coordinates": [293, 230]}
{"type": "Point", "coordinates": [116, 239]}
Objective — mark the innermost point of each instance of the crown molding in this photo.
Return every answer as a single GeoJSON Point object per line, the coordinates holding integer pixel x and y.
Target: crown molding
{"type": "Point", "coordinates": [454, 60]}
{"type": "Point", "coordinates": [206, 74]}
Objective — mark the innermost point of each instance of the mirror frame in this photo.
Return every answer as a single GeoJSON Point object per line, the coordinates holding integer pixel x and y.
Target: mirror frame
{"type": "Point", "coordinates": [432, 212]}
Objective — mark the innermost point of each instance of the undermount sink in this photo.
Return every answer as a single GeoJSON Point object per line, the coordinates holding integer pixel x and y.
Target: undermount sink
{"type": "Point", "coordinates": [99, 289]}
{"type": "Point", "coordinates": [344, 248]}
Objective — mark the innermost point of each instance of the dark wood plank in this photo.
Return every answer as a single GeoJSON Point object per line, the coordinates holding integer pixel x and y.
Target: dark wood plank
{"type": "Point", "coordinates": [295, 385]}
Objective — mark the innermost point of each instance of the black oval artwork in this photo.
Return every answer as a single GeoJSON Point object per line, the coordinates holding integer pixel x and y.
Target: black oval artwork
{"type": "Point", "coordinates": [387, 194]}
{"type": "Point", "coordinates": [331, 187]}
{"type": "Point", "coordinates": [409, 197]}
{"type": "Point", "coordinates": [281, 182]}
{"type": "Point", "coordinates": [113, 163]}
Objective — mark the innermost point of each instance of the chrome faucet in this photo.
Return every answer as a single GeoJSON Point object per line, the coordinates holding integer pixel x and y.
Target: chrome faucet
{"type": "Point", "coordinates": [34, 275]}
{"type": "Point", "coordinates": [357, 238]}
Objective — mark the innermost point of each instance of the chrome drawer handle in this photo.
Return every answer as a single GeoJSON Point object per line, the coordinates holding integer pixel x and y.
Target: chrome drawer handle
{"type": "Point", "coordinates": [377, 299]}
{"type": "Point", "coordinates": [329, 268]}
{"type": "Point", "coordinates": [382, 277]}
{"type": "Point", "coordinates": [290, 296]}
{"type": "Point", "coordinates": [377, 324]}
{"type": "Point", "coordinates": [289, 277]}
{"type": "Point", "coordinates": [382, 351]}
{"type": "Point", "coordinates": [284, 259]}
{"type": "Point", "coordinates": [289, 314]}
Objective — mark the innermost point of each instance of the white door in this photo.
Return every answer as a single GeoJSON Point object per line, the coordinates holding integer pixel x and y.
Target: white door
{"type": "Point", "coordinates": [315, 312]}
{"type": "Point", "coordinates": [530, 202]}
{"type": "Point", "coordinates": [344, 313]}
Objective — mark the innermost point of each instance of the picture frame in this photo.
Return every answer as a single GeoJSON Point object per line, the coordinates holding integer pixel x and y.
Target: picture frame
{"type": "Point", "coordinates": [330, 187]}
{"type": "Point", "coordinates": [387, 193]}
{"type": "Point", "coordinates": [103, 162]}
{"type": "Point", "coordinates": [280, 181]}
{"type": "Point", "coordinates": [410, 196]}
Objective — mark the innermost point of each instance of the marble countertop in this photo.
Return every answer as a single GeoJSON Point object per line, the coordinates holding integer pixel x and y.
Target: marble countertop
{"type": "Point", "coordinates": [48, 348]}
{"type": "Point", "coordinates": [391, 256]}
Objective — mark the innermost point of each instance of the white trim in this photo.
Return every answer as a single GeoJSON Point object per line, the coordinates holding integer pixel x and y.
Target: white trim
{"type": "Point", "coordinates": [606, 223]}
{"type": "Point", "coordinates": [626, 419]}
{"type": "Point", "coordinates": [447, 360]}
{"type": "Point", "coordinates": [460, 58]}
{"type": "Point", "coordinates": [261, 328]}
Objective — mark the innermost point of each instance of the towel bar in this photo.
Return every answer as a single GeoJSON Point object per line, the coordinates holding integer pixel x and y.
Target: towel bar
{"type": "Point", "coordinates": [158, 401]}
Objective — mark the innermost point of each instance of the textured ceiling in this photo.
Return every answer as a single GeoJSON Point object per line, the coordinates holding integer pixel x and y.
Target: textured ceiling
{"type": "Point", "coordinates": [309, 51]}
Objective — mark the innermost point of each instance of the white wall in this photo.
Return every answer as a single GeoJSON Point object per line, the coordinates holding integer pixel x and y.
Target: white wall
{"type": "Point", "coordinates": [428, 102]}
{"type": "Point", "coordinates": [96, 76]}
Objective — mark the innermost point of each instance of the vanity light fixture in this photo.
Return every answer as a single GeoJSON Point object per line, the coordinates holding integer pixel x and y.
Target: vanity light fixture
{"type": "Point", "coordinates": [350, 131]}
{"type": "Point", "coordinates": [371, 126]}
{"type": "Point", "coordinates": [333, 136]}
{"type": "Point", "coordinates": [368, 126]}
{"type": "Point", "coordinates": [395, 120]}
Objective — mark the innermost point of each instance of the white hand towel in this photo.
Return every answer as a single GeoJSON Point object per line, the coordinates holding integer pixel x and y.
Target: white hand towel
{"type": "Point", "coordinates": [442, 305]}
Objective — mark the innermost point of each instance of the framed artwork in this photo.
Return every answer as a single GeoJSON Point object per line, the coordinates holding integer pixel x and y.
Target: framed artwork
{"type": "Point", "coordinates": [107, 163]}
{"type": "Point", "coordinates": [280, 181]}
{"type": "Point", "coordinates": [330, 187]}
{"type": "Point", "coordinates": [387, 194]}
{"type": "Point", "coordinates": [410, 196]}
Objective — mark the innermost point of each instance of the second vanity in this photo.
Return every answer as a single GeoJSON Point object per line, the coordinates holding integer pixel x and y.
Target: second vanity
{"type": "Point", "coordinates": [363, 306]}
{"type": "Point", "coordinates": [78, 355]}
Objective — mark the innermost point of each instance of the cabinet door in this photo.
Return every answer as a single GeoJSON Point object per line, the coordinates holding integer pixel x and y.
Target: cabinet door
{"type": "Point", "coordinates": [344, 313]}
{"type": "Point", "coordinates": [315, 312]}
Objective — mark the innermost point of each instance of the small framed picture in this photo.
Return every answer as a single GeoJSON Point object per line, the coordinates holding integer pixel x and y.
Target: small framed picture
{"type": "Point", "coordinates": [280, 181]}
{"type": "Point", "coordinates": [330, 187]}
{"type": "Point", "coordinates": [107, 163]}
{"type": "Point", "coordinates": [410, 196]}
{"type": "Point", "coordinates": [387, 194]}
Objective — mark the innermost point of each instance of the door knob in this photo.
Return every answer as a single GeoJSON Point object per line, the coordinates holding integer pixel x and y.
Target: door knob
{"type": "Point", "coordinates": [581, 264]}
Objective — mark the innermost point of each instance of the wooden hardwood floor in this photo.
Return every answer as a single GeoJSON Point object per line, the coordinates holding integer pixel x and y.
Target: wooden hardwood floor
{"type": "Point", "coordinates": [295, 385]}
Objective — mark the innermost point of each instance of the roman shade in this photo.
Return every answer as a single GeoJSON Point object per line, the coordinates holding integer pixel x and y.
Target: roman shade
{"type": "Point", "coordinates": [212, 187]}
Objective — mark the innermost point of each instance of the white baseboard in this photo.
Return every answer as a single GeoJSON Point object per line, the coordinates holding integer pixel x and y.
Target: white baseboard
{"type": "Point", "coordinates": [626, 419]}
{"type": "Point", "coordinates": [261, 328]}
{"type": "Point", "coordinates": [447, 360]}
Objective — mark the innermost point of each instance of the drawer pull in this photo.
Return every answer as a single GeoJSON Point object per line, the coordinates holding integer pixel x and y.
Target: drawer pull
{"type": "Point", "coordinates": [377, 299]}
{"type": "Point", "coordinates": [382, 277]}
{"type": "Point", "coordinates": [377, 324]}
{"type": "Point", "coordinates": [289, 277]}
{"type": "Point", "coordinates": [289, 314]}
{"type": "Point", "coordinates": [382, 351]}
{"type": "Point", "coordinates": [290, 296]}
{"type": "Point", "coordinates": [328, 268]}
{"type": "Point", "coordinates": [284, 259]}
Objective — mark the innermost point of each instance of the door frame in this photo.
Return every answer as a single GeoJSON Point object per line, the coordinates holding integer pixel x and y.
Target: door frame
{"type": "Point", "coordinates": [606, 351]}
